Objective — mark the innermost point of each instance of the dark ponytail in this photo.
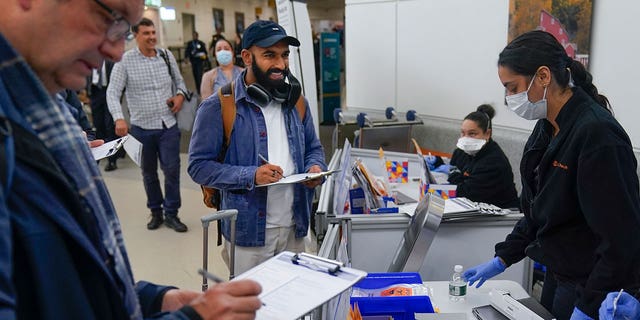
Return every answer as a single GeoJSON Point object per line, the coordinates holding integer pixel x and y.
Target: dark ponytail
{"type": "Point", "coordinates": [533, 49]}
{"type": "Point", "coordinates": [482, 116]}
{"type": "Point", "coordinates": [583, 79]}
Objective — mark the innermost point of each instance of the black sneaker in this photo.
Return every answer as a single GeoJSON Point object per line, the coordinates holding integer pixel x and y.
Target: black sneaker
{"type": "Point", "coordinates": [174, 223]}
{"type": "Point", "coordinates": [156, 222]}
{"type": "Point", "coordinates": [110, 166]}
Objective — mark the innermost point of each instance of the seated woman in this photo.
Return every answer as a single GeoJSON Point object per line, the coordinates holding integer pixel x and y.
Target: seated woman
{"type": "Point", "coordinates": [478, 166]}
{"type": "Point", "coordinates": [223, 73]}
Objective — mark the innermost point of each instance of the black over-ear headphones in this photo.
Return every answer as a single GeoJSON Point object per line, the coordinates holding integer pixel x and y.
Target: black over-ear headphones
{"type": "Point", "coordinates": [289, 93]}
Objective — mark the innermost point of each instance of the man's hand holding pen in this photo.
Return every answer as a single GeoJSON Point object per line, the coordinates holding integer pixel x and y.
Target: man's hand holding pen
{"type": "Point", "coordinates": [224, 300]}
{"type": "Point", "coordinates": [267, 172]}
{"type": "Point", "coordinates": [229, 300]}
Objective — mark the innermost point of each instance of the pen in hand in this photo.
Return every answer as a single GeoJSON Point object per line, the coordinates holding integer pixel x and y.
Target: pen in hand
{"type": "Point", "coordinates": [210, 276]}
{"type": "Point", "coordinates": [615, 304]}
{"type": "Point", "coordinates": [263, 159]}
{"type": "Point", "coordinates": [214, 278]}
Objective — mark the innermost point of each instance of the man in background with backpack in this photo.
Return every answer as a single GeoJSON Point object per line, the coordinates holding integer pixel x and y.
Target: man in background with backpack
{"type": "Point", "coordinates": [271, 136]}
{"type": "Point", "coordinates": [149, 74]}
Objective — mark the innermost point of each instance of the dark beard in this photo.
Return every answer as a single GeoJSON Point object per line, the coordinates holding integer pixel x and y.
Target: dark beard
{"type": "Point", "coordinates": [263, 77]}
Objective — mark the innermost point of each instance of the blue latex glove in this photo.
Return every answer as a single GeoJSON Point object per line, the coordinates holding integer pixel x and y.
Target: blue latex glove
{"type": "Point", "coordinates": [484, 271]}
{"type": "Point", "coordinates": [628, 307]}
{"type": "Point", "coordinates": [579, 315]}
{"type": "Point", "coordinates": [444, 168]}
{"type": "Point", "coordinates": [431, 161]}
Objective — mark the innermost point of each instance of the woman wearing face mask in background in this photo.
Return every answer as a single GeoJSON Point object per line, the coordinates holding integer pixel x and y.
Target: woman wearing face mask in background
{"type": "Point", "coordinates": [580, 188]}
{"type": "Point", "coordinates": [478, 167]}
{"type": "Point", "coordinates": [223, 73]}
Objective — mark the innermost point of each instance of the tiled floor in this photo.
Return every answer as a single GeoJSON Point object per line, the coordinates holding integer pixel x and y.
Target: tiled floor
{"type": "Point", "coordinates": [162, 256]}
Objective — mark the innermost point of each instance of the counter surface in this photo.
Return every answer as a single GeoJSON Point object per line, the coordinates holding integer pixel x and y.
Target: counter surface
{"type": "Point", "coordinates": [475, 296]}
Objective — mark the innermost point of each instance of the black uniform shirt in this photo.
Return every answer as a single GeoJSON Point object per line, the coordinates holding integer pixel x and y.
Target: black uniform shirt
{"type": "Point", "coordinates": [485, 177]}
{"type": "Point", "coordinates": [581, 203]}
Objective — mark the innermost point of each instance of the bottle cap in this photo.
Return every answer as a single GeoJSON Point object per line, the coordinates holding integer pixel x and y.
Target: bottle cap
{"type": "Point", "coordinates": [457, 268]}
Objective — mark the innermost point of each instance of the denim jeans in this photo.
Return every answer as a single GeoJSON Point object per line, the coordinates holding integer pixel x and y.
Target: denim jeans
{"type": "Point", "coordinates": [548, 290]}
{"type": "Point", "coordinates": [163, 145]}
{"type": "Point", "coordinates": [564, 299]}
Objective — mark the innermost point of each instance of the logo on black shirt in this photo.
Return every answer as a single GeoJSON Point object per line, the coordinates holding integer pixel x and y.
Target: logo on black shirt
{"type": "Point", "coordinates": [559, 165]}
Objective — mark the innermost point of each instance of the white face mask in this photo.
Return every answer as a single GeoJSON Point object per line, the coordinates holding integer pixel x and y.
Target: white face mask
{"type": "Point", "coordinates": [224, 57]}
{"type": "Point", "coordinates": [520, 104]}
{"type": "Point", "coordinates": [470, 145]}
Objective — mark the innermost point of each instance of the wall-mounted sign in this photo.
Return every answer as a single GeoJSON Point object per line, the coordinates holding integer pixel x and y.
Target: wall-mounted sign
{"type": "Point", "coordinates": [168, 13]}
{"type": "Point", "coordinates": [153, 3]}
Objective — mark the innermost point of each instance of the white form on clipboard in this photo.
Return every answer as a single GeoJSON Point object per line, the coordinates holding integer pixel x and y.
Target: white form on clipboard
{"type": "Point", "coordinates": [299, 177]}
{"type": "Point", "coordinates": [295, 284]}
{"type": "Point", "coordinates": [108, 148]}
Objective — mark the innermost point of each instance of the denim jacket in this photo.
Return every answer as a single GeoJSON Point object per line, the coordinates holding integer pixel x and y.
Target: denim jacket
{"type": "Point", "coordinates": [236, 174]}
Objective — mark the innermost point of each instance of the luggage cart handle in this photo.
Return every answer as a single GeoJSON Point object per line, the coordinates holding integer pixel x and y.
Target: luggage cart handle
{"type": "Point", "coordinates": [232, 214]}
{"type": "Point", "coordinates": [219, 215]}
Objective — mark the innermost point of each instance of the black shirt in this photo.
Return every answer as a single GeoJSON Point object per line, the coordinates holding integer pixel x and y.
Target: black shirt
{"type": "Point", "coordinates": [581, 203]}
{"type": "Point", "coordinates": [485, 177]}
{"type": "Point", "coordinates": [194, 47]}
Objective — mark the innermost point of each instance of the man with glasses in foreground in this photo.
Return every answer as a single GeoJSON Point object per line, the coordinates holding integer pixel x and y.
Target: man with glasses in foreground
{"type": "Point", "coordinates": [61, 249]}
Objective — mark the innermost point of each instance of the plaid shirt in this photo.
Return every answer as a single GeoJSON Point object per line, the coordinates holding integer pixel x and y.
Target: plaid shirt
{"type": "Point", "coordinates": [148, 86]}
{"type": "Point", "coordinates": [32, 108]}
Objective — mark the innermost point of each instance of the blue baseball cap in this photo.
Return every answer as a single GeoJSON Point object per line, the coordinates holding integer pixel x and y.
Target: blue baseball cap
{"type": "Point", "coordinates": [264, 34]}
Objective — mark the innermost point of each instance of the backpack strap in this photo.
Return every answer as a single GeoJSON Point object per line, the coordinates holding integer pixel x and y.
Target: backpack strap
{"type": "Point", "coordinates": [301, 107]}
{"type": "Point", "coordinates": [228, 106]}
{"type": "Point", "coordinates": [228, 109]}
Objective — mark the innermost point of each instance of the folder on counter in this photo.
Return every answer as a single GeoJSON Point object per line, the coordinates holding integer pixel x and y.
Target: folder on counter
{"type": "Point", "coordinates": [295, 284]}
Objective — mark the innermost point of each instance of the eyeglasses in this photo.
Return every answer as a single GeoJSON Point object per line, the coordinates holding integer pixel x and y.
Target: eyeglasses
{"type": "Point", "coordinates": [119, 28]}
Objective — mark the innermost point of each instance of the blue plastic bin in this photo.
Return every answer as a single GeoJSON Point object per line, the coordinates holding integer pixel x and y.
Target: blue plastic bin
{"type": "Point", "coordinates": [400, 308]}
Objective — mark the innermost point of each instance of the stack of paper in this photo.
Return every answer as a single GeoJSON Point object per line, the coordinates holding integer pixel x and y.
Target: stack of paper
{"type": "Point", "coordinates": [456, 208]}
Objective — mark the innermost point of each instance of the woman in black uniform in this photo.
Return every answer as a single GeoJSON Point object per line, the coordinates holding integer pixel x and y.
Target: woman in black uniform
{"type": "Point", "coordinates": [580, 188]}
{"type": "Point", "coordinates": [478, 167]}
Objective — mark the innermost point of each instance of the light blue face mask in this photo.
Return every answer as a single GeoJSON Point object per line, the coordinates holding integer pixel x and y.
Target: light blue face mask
{"type": "Point", "coordinates": [520, 104]}
{"type": "Point", "coordinates": [224, 57]}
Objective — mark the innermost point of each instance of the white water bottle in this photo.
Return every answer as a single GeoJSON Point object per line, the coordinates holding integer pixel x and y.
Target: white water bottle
{"type": "Point", "coordinates": [457, 285]}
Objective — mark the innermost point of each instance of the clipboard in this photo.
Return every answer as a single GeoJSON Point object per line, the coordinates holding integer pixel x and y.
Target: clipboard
{"type": "Point", "coordinates": [108, 148]}
{"type": "Point", "coordinates": [300, 177]}
{"type": "Point", "coordinates": [295, 284]}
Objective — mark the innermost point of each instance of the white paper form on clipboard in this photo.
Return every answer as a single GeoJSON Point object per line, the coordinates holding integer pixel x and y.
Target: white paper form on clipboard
{"type": "Point", "coordinates": [299, 177]}
{"type": "Point", "coordinates": [108, 148]}
{"type": "Point", "coordinates": [295, 284]}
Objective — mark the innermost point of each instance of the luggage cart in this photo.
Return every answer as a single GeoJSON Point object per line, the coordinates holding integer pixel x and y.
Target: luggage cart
{"type": "Point", "coordinates": [231, 214]}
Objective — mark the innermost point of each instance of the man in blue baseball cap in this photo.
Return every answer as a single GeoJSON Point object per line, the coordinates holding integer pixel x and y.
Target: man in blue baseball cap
{"type": "Point", "coordinates": [265, 33]}
{"type": "Point", "coordinates": [261, 40]}
{"type": "Point", "coordinates": [273, 136]}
